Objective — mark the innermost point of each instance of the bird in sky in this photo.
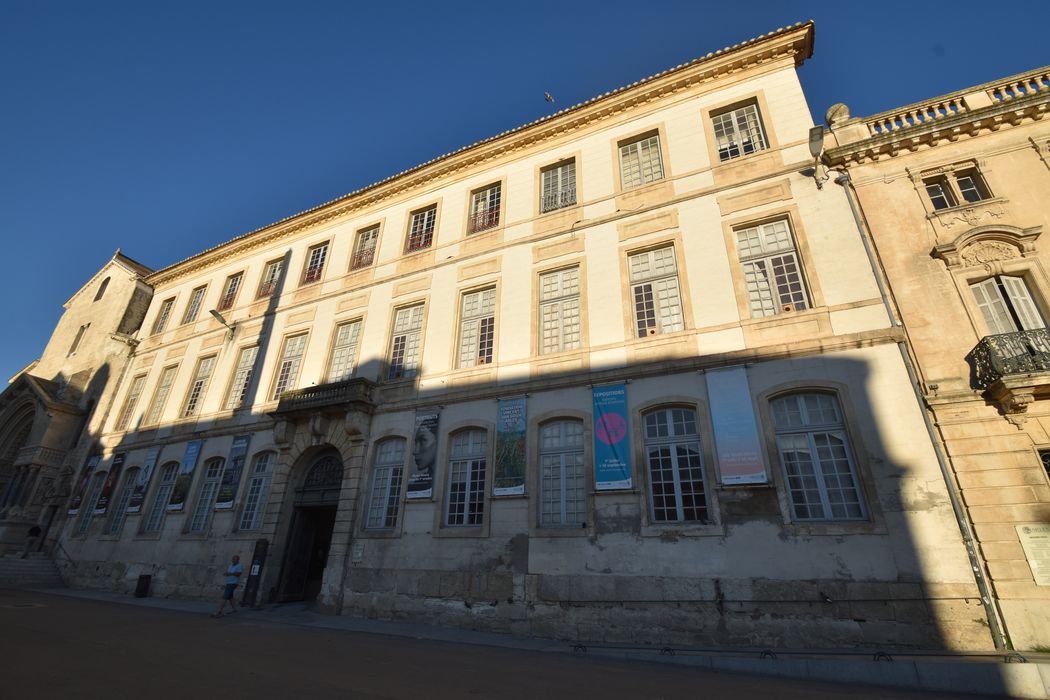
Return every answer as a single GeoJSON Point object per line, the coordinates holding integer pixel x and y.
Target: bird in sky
{"type": "Point", "coordinates": [547, 96]}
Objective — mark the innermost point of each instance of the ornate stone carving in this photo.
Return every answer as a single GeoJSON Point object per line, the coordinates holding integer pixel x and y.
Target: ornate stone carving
{"type": "Point", "coordinates": [970, 216]}
{"type": "Point", "coordinates": [988, 251]}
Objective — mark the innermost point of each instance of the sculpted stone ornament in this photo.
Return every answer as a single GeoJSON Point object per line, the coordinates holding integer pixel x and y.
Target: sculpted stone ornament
{"type": "Point", "coordinates": [988, 251]}
{"type": "Point", "coordinates": [1014, 406]}
{"type": "Point", "coordinates": [971, 216]}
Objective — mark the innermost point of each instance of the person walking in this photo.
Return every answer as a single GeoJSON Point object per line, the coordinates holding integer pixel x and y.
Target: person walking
{"type": "Point", "coordinates": [233, 577]}
{"type": "Point", "coordinates": [31, 539]}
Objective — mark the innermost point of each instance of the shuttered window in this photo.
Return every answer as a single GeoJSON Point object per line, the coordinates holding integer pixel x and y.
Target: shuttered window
{"type": "Point", "coordinates": [640, 162]}
{"type": "Point", "coordinates": [654, 288]}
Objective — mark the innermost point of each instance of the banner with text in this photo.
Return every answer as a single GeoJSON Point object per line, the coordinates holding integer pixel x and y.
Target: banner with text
{"type": "Point", "coordinates": [231, 478]}
{"type": "Point", "coordinates": [510, 448]}
{"type": "Point", "coordinates": [78, 494]}
{"type": "Point", "coordinates": [612, 444]}
{"type": "Point", "coordinates": [424, 455]}
{"type": "Point", "coordinates": [183, 481]}
{"type": "Point", "coordinates": [111, 483]}
{"type": "Point", "coordinates": [142, 483]}
{"type": "Point", "coordinates": [737, 445]}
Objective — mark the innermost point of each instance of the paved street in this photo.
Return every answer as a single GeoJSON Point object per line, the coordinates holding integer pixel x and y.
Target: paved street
{"type": "Point", "coordinates": [63, 647]}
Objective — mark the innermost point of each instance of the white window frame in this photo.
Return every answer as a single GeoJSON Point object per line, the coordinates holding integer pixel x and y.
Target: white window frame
{"type": "Point", "coordinates": [160, 395]}
{"type": "Point", "coordinates": [209, 489]}
{"type": "Point", "coordinates": [365, 243]}
{"type": "Point", "coordinates": [561, 311]}
{"type": "Point", "coordinates": [271, 277]}
{"type": "Point", "coordinates": [345, 341]}
{"type": "Point", "coordinates": [406, 340]}
{"type": "Point", "coordinates": [1007, 304]}
{"type": "Point", "coordinates": [384, 503]}
{"type": "Point", "coordinates": [674, 465]}
{"type": "Point", "coordinates": [485, 208]}
{"type": "Point", "coordinates": [165, 485]}
{"type": "Point", "coordinates": [774, 279]}
{"type": "Point", "coordinates": [193, 307]}
{"type": "Point", "coordinates": [477, 328]}
{"type": "Point", "coordinates": [256, 492]}
{"type": "Point", "coordinates": [163, 315]}
{"type": "Point", "coordinates": [313, 266]}
{"type": "Point", "coordinates": [656, 293]}
{"type": "Point", "coordinates": [641, 162]}
{"type": "Point", "coordinates": [130, 402]}
{"type": "Point", "coordinates": [563, 474]}
{"type": "Point", "coordinates": [421, 228]}
{"type": "Point", "coordinates": [199, 386]}
{"type": "Point", "coordinates": [558, 186]}
{"type": "Point", "coordinates": [120, 508]}
{"type": "Point", "coordinates": [242, 377]}
{"type": "Point", "coordinates": [286, 375]}
{"type": "Point", "coordinates": [467, 474]}
{"type": "Point", "coordinates": [739, 132]}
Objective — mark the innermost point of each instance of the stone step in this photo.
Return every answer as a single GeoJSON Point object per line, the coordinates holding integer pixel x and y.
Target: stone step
{"type": "Point", "coordinates": [33, 572]}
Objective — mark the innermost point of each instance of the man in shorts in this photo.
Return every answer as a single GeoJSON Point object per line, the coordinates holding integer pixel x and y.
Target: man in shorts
{"type": "Point", "coordinates": [233, 577]}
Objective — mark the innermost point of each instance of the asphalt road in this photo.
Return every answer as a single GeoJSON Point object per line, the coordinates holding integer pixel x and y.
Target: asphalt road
{"type": "Point", "coordinates": [59, 647]}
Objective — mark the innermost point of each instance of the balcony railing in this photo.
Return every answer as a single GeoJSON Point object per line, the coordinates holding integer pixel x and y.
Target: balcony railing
{"type": "Point", "coordinates": [558, 200]}
{"type": "Point", "coordinates": [350, 391]}
{"type": "Point", "coordinates": [362, 258]}
{"type": "Point", "coordinates": [484, 220]}
{"type": "Point", "coordinates": [1010, 354]}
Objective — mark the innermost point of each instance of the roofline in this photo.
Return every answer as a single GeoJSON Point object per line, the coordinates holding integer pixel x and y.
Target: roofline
{"type": "Point", "coordinates": [795, 41]}
{"type": "Point", "coordinates": [133, 266]}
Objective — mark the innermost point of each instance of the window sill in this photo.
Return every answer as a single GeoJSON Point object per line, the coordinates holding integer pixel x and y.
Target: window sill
{"type": "Point", "coordinates": [834, 528]}
{"type": "Point", "coordinates": [671, 531]}
{"type": "Point", "coordinates": [461, 531]}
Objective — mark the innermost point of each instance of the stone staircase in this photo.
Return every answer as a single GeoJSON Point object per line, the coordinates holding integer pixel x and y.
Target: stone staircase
{"type": "Point", "coordinates": [35, 571]}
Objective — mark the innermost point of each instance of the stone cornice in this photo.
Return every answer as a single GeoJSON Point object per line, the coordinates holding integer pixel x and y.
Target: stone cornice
{"type": "Point", "coordinates": [794, 42]}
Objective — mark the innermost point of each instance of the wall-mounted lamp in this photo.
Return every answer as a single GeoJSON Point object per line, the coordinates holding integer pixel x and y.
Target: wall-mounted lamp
{"type": "Point", "coordinates": [816, 147]}
{"type": "Point", "coordinates": [218, 317]}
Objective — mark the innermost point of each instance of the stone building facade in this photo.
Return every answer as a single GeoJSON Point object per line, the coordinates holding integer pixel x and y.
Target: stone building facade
{"type": "Point", "coordinates": [954, 192]}
{"type": "Point", "coordinates": [620, 374]}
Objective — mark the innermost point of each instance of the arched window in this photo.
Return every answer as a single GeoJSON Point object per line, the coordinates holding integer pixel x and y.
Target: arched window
{"type": "Point", "coordinates": [563, 487]}
{"type": "Point", "coordinates": [466, 478]}
{"type": "Point", "coordinates": [101, 290]}
{"type": "Point", "coordinates": [87, 506]}
{"type": "Point", "coordinates": [323, 482]}
{"type": "Point", "coordinates": [116, 521]}
{"type": "Point", "coordinates": [675, 466]}
{"type": "Point", "coordinates": [385, 500]}
{"type": "Point", "coordinates": [816, 458]}
{"type": "Point", "coordinates": [258, 486]}
{"type": "Point", "coordinates": [168, 473]}
{"type": "Point", "coordinates": [213, 469]}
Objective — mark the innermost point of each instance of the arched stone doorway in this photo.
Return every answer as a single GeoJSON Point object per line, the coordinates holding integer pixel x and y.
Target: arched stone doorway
{"type": "Point", "coordinates": [310, 534]}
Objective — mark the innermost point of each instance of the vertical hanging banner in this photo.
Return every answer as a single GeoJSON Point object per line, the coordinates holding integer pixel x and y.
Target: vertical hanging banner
{"type": "Point", "coordinates": [111, 483]}
{"type": "Point", "coordinates": [424, 455]}
{"type": "Point", "coordinates": [510, 448]}
{"type": "Point", "coordinates": [736, 431]}
{"type": "Point", "coordinates": [612, 444]}
{"type": "Point", "coordinates": [182, 482]}
{"type": "Point", "coordinates": [231, 478]}
{"type": "Point", "coordinates": [78, 495]}
{"type": "Point", "coordinates": [142, 483]}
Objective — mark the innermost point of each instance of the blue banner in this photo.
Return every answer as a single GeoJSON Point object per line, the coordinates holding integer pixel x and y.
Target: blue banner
{"type": "Point", "coordinates": [612, 442]}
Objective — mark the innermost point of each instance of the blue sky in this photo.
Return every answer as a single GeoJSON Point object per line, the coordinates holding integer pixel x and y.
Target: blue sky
{"type": "Point", "coordinates": [164, 128]}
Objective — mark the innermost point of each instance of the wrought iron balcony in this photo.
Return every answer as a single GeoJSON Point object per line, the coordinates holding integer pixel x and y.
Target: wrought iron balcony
{"type": "Point", "coordinates": [484, 220]}
{"type": "Point", "coordinates": [1006, 355]}
{"type": "Point", "coordinates": [350, 394]}
{"type": "Point", "coordinates": [558, 200]}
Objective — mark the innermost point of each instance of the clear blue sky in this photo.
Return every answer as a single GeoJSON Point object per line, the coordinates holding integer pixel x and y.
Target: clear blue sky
{"type": "Point", "coordinates": [164, 128]}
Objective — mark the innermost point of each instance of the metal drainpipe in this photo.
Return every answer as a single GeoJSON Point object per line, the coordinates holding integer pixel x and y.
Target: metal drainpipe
{"type": "Point", "coordinates": [991, 605]}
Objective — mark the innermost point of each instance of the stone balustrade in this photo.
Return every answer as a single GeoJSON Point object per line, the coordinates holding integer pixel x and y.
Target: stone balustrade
{"type": "Point", "coordinates": [1017, 87]}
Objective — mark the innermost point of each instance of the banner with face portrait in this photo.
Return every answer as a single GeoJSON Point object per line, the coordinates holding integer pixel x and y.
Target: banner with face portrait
{"type": "Point", "coordinates": [78, 495]}
{"type": "Point", "coordinates": [111, 483]}
{"type": "Point", "coordinates": [142, 483]}
{"type": "Point", "coordinates": [424, 455]}
{"type": "Point", "coordinates": [181, 490]}
{"type": "Point", "coordinates": [510, 448]}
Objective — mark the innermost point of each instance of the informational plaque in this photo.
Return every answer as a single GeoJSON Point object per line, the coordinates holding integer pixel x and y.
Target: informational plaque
{"type": "Point", "coordinates": [1035, 541]}
{"type": "Point", "coordinates": [736, 432]}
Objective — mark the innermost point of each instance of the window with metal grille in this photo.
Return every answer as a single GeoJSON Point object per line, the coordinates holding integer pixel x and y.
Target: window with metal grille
{"type": "Point", "coordinates": [120, 511]}
{"type": "Point", "coordinates": [558, 186]}
{"type": "Point", "coordinates": [206, 498]}
{"type": "Point", "coordinates": [563, 486]}
{"type": "Point", "coordinates": [255, 494]}
{"type": "Point", "coordinates": [315, 258]}
{"type": "Point", "coordinates": [675, 466]}
{"type": "Point", "coordinates": [654, 288]}
{"type": "Point", "coordinates": [738, 132]}
{"type": "Point", "coordinates": [289, 365]}
{"type": "Point", "coordinates": [484, 209]}
{"type": "Point", "coordinates": [421, 229]}
{"type": "Point", "coordinates": [772, 273]}
{"type": "Point", "coordinates": [229, 291]}
{"type": "Point", "coordinates": [271, 278]}
{"type": "Point", "coordinates": [168, 474]}
{"type": "Point", "coordinates": [163, 315]}
{"type": "Point", "coordinates": [405, 342]}
{"type": "Point", "coordinates": [1007, 305]}
{"type": "Point", "coordinates": [560, 310]}
{"type": "Point", "coordinates": [76, 340]}
{"type": "Point", "coordinates": [344, 350]}
{"type": "Point", "coordinates": [130, 401]}
{"type": "Point", "coordinates": [641, 162]}
{"type": "Point", "coordinates": [466, 478]}
{"type": "Point", "coordinates": [160, 396]}
{"type": "Point", "coordinates": [815, 455]}
{"type": "Point", "coordinates": [477, 327]}
{"type": "Point", "coordinates": [242, 378]}
{"type": "Point", "coordinates": [385, 500]}
{"type": "Point", "coordinates": [198, 386]}
{"type": "Point", "coordinates": [87, 506]}
{"type": "Point", "coordinates": [364, 248]}
{"type": "Point", "coordinates": [194, 307]}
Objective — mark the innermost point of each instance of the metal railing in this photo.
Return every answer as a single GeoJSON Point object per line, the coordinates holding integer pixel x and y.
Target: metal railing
{"type": "Point", "coordinates": [483, 220]}
{"type": "Point", "coordinates": [333, 394]}
{"type": "Point", "coordinates": [558, 200]}
{"type": "Point", "coordinates": [1010, 354]}
{"type": "Point", "coordinates": [362, 258]}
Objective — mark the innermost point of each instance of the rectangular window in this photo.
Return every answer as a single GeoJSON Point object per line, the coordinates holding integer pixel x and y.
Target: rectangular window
{"type": "Point", "coordinates": [563, 487]}
{"type": "Point", "coordinates": [560, 310]}
{"type": "Point", "coordinates": [87, 507]}
{"type": "Point", "coordinates": [404, 345]}
{"type": "Point", "coordinates": [477, 328]}
{"type": "Point", "coordinates": [344, 350]}
{"type": "Point", "coordinates": [1007, 306]}
{"type": "Point", "coordinates": [558, 186]}
{"type": "Point", "coordinates": [738, 132]}
{"type": "Point", "coordinates": [971, 186]}
{"type": "Point", "coordinates": [421, 229]}
{"type": "Point", "coordinates": [160, 397]}
{"type": "Point", "coordinates": [315, 258]}
{"type": "Point", "coordinates": [288, 367]}
{"type": "Point", "coordinates": [364, 248]}
{"type": "Point", "coordinates": [130, 401]}
{"type": "Point", "coordinates": [676, 470]}
{"type": "Point", "coordinates": [206, 499]}
{"type": "Point", "coordinates": [116, 522]}
{"type": "Point", "coordinates": [255, 494]}
{"type": "Point", "coordinates": [640, 162]}
{"type": "Point", "coordinates": [940, 192]}
{"type": "Point", "coordinates": [160, 499]}
{"type": "Point", "coordinates": [163, 315]}
{"type": "Point", "coordinates": [229, 291]}
{"type": "Point", "coordinates": [385, 499]}
{"type": "Point", "coordinates": [654, 288]}
{"type": "Point", "coordinates": [242, 378]}
{"type": "Point", "coordinates": [963, 185]}
{"type": "Point", "coordinates": [194, 307]}
{"type": "Point", "coordinates": [270, 279]}
{"type": "Point", "coordinates": [771, 271]}
{"type": "Point", "coordinates": [484, 209]}
{"type": "Point", "coordinates": [198, 386]}
{"type": "Point", "coordinates": [76, 340]}
{"type": "Point", "coordinates": [466, 480]}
